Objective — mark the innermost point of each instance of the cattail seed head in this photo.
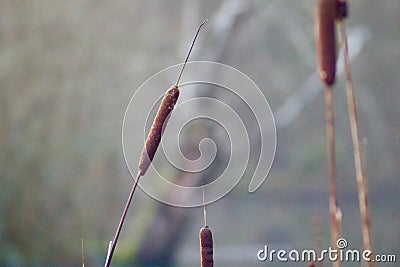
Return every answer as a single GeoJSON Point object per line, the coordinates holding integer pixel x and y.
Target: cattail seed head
{"type": "Point", "coordinates": [160, 121]}
{"type": "Point", "coordinates": [206, 247]}
{"type": "Point", "coordinates": [341, 9]}
{"type": "Point", "coordinates": [326, 40]}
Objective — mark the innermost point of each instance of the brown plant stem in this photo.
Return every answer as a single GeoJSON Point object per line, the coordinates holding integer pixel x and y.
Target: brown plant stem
{"type": "Point", "coordinates": [317, 230]}
{"type": "Point", "coordinates": [358, 161]}
{"type": "Point", "coordinates": [121, 222]}
{"type": "Point", "coordinates": [334, 210]}
{"type": "Point", "coordinates": [190, 51]}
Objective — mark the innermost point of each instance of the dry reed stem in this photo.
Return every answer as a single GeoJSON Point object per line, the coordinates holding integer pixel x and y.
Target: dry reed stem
{"type": "Point", "coordinates": [113, 243]}
{"type": "Point", "coordinates": [82, 254]}
{"type": "Point", "coordinates": [317, 230]}
{"type": "Point", "coordinates": [358, 161]}
{"type": "Point", "coordinates": [190, 51]}
{"type": "Point", "coordinates": [326, 42]}
{"type": "Point", "coordinates": [326, 47]}
{"type": "Point", "coordinates": [334, 210]}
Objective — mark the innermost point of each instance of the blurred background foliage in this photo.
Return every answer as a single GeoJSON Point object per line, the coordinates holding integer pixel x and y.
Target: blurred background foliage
{"type": "Point", "coordinates": [68, 70]}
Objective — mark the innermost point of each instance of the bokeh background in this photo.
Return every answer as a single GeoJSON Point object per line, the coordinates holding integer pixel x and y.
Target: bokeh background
{"type": "Point", "coordinates": [68, 70]}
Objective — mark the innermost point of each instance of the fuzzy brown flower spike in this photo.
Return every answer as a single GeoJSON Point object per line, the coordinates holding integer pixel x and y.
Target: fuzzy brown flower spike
{"type": "Point", "coordinates": [161, 119]}
{"type": "Point", "coordinates": [326, 42]}
{"type": "Point", "coordinates": [157, 129]}
{"type": "Point", "coordinates": [149, 150]}
{"type": "Point", "coordinates": [206, 247]}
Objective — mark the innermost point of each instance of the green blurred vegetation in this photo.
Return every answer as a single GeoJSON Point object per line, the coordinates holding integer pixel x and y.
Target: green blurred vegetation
{"type": "Point", "coordinates": [67, 71]}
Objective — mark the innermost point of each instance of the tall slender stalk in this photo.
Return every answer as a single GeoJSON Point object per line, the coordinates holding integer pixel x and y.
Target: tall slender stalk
{"type": "Point", "coordinates": [334, 210]}
{"type": "Point", "coordinates": [152, 142]}
{"type": "Point", "coordinates": [358, 161]}
{"type": "Point", "coordinates": [113, 244]}
{"type": "Point", "coordinates": [326, 48]}
{"type": "Point", "coordinates": [82, 254]}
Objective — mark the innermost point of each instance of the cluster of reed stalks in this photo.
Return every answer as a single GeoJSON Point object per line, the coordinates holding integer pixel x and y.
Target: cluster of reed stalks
{"type": "Point", "coordinates": [330, 15]}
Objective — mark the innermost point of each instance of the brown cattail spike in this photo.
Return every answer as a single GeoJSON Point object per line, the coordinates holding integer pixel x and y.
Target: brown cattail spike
{"type": "Point", "coordinates": [206, 247]}
{"type": "Point", "coordinates": [160, 121]}
{"type": "Point", "coordinates": [341, 9]}
{"type": "Point", "coordinates": [326, 41]}
{"type": "Point", "coordinates": [149, 150]}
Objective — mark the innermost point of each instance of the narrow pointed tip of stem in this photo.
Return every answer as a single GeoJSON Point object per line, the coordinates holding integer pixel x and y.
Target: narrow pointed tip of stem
{"type": "Point", "coordinates": [190, 50]}
{"type": "Point", "coordinates": [204, 209]}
